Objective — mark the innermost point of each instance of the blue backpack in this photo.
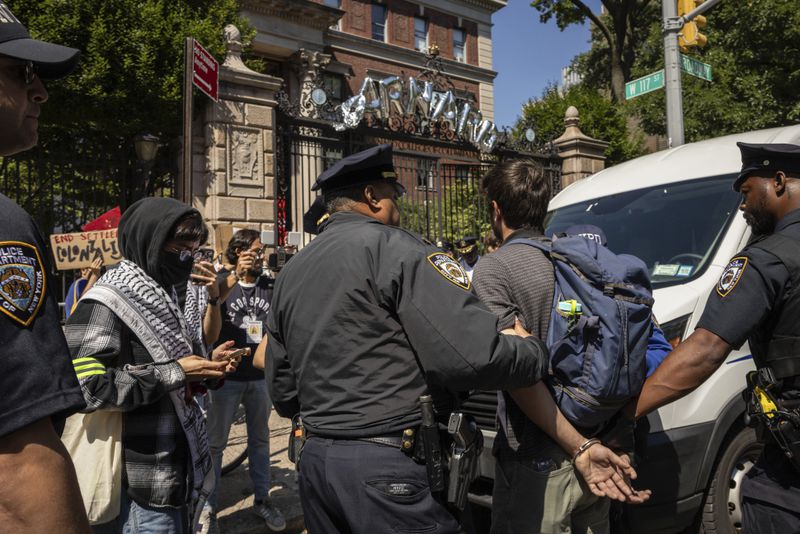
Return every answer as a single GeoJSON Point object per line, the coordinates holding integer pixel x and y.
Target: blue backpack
{"type": "Point", "coordinates": [599, 328]}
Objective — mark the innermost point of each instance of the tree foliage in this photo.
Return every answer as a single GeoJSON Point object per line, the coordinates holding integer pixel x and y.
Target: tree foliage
{"type": "Point", "coordinates": [131, 71]}
{"type": "Point", "coordinates": [754, 51]}
{"type": "Point", "coordinates": [615, 35]}
{"type": "Point", "coordinates": [599, 118]}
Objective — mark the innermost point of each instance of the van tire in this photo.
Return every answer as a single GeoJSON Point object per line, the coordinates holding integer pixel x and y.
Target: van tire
{"type": "Point", "coordinates": [722, 509]}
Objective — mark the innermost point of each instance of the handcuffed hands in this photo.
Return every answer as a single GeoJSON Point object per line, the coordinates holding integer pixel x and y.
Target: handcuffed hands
{"type": "Point", "coordinates": [609, 475]}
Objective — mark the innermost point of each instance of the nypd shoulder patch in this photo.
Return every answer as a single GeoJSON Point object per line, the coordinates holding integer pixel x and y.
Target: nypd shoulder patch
{"type": "Point", "coordinates": [731, 275]}
{"type": "Point", "coordinates": [450, 269]}
{"type": "Point", "coordinates": [22, 281]}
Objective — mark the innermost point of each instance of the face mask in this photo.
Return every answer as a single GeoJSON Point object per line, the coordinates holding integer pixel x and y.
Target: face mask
{"type": "Point", "coordinates": [172, 271]}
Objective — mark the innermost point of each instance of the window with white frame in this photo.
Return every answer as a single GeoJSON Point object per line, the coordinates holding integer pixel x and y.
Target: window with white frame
{"type": "Point", "coordinates": [420, 34]}
{"type": "Point", "coordinates": [460, 45]}
{"type": "Point", "coordinates": [378, 22]}
{"type": "Point", "coordinates": [338, 5]}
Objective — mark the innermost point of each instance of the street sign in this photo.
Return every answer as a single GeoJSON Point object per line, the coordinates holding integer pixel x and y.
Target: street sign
{"type": "Point", "coordinates": [205, 71]}
{"type": "Point", "coordinates": [695, 67]}
{"type": "Point", "coordinates": [645, 84]}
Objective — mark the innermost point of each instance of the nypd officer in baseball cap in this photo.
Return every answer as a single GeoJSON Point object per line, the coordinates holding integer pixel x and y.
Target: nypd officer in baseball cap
{"type": "Point", "coordinates": [365, 320]}
{"type": "Point", "coordinates": [757, 299]}
{"type": "Point", "coordinates": [38, 488]}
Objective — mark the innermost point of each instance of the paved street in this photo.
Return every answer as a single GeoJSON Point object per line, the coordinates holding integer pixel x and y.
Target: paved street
{"type": "Point", "coordinates": [236, 492]}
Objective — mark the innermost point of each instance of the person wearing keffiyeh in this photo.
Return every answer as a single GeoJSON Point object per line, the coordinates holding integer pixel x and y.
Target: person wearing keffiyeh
{"type": "Point", "coordinates": [133, 352]}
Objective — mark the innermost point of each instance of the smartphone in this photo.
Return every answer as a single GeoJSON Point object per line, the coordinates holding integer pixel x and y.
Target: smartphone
{"type": "Point", "coordinates": [202, 254]}
{"type": "Point", "coordinates": [238, 353]}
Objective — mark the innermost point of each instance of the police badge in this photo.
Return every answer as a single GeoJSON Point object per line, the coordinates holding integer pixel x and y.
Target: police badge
{"type": "Point", "coordinates": [22, 281]}
{"type": "Point", "coordinates": [450, 269]}
{"type": "Point", "coordinates": [731, 275]}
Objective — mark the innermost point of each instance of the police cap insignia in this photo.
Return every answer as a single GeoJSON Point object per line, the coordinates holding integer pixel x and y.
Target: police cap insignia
{"type": "Point", "coordinates": [22, 281]}
{"type": "Point", "coordinates": [731, 275]}
{"type": "Point", "coordinates": [450, 269]}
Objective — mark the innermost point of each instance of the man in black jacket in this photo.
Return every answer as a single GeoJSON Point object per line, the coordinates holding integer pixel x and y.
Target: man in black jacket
{"type": "Point", "coordinates": [365, 320]}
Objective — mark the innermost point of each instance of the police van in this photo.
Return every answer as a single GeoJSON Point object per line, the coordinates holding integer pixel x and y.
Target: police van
{"type": "Point", "coordinates": [677, 211]}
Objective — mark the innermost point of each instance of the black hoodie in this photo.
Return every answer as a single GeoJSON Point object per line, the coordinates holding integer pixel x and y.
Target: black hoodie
{"type": "Point", "coordinates": [144, 229]}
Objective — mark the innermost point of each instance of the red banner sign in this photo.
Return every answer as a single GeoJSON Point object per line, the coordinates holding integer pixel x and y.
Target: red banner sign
{"type": "Point", "coordinates": [205, 72]}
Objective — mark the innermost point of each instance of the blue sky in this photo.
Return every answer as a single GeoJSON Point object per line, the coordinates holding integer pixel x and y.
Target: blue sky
{"type": "Point", "coordinates": [528, 55]}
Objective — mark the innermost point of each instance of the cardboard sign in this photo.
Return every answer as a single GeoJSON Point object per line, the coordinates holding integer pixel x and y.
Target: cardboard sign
{"type": "Point", "coordinates": [74, 251]}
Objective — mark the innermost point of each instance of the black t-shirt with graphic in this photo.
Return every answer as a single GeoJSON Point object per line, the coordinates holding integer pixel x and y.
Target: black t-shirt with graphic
{"type": "Point", "coordinates": [247, 303]}
{"type": "Point", "coordinates": [38, 379]}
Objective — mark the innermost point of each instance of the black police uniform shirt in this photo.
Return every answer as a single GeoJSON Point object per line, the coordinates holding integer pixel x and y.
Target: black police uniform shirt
{"type": "Point", "coordinates": [366, 316]}
{"type": "Point", "coordinates": [244, 318]}
{"type": "Point", "coordinates": [37, 379]}
{"type": "Point", "coordinates": [748, 297]}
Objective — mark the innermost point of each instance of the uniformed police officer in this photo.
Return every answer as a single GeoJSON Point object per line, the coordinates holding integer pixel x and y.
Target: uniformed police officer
{"type": "Point", "coordinates": [756, 299]}
{"type": "Point", "coordinates": [365, 320]}
{"type": "Point", "coordinates": [468, 254]}
{"type": "Point", "coordinates": [38, 388]}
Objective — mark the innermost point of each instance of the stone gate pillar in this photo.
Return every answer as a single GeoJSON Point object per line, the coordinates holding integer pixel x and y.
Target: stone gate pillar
{"type": "Point", "coordinates": [234, 172]}
{"type": "Point", "coordinates": [581, 155]}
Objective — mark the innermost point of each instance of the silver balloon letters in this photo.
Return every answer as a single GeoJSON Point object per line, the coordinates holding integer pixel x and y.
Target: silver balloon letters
{"type": "Point", "coordinates": [390, 96]}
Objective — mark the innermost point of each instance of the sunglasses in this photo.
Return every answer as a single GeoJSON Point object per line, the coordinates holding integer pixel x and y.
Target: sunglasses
{"type": "Point", "coordinates": [26, 71]}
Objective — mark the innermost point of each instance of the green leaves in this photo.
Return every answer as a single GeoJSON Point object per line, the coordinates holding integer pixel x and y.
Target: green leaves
{"type": "Point", "coordinates": [130, 75]}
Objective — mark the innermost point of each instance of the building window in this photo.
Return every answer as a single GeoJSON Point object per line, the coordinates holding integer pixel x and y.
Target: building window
{"type": "Point", "coordinates": [426, 174]}
{"type": "Point", "coordinates": [334, 85]}
{"type": "Point", "coordinates": [420, 34]}
{"type": "Point", "coordinates": [459, 45]}
{"type": "Point", "coordinates": [333, 3]}
{"type": "Point", "coordinates": [378, 22]}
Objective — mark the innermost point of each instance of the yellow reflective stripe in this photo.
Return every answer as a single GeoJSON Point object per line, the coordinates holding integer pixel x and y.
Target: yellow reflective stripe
{"type": "Point", "coordinates": [91, 373]}
{"type": "Point", "coordinates": [88, 359]}
{"type": "Point", "coordinates": [97, 365]}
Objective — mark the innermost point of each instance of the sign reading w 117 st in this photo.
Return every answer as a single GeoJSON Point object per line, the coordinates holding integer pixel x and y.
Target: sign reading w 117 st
{"type": "Point", "coordinates": [205, 71]}
{"type": "Point", "coordinates": [645, 84]}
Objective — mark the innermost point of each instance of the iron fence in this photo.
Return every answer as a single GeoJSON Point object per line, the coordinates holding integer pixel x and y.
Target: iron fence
{"type": "Point", "coordinates": [443, 196]}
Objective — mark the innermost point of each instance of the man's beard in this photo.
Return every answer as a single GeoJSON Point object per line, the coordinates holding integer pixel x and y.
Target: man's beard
{"type": "Point", "coordinates": [497, 231]}
{"type": "Point", "coordinates": [256, 271]}
{"type": "Point", "coordinates": [760, 219]}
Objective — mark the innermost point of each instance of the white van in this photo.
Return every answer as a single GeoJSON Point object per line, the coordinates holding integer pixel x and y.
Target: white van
{"type": "Point", "coordinates": [677, 211]}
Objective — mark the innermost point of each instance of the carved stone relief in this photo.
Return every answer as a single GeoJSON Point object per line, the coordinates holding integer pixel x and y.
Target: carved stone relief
{"type": "Point", "coordinates": [246, 156]}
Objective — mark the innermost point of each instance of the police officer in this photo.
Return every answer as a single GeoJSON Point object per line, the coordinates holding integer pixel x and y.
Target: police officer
{"type": "Point", "coordinates": [468, 254]}
{"type": "Point", "coordinates": [365, 320]}
{"type": "Point", "coordinates": [38, 488]}
{"type": "Point", "coordinates": [756, 300]}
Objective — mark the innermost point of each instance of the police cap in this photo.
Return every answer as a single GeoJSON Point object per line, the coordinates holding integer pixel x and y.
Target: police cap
{"type": "Point", "coordinates": [767, 157]}
{"type": "Point", "coordinates": [371, 165]}
{"type": "Point", "coordinates": [315, 216]}
{"type": "Point", "coordinates": [467, 244]}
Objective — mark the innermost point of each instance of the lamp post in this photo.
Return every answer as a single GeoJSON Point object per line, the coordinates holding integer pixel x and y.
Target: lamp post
{"type": "Point", "coordinates": [146, 146]}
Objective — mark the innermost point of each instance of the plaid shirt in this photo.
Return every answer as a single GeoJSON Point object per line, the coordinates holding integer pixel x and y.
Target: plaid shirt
{"type": "Point", "coordinates": [116, 373]}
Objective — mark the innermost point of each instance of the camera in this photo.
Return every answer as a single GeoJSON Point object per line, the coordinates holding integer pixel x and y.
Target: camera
{"type": "Point", "coordinates": [278, 259]}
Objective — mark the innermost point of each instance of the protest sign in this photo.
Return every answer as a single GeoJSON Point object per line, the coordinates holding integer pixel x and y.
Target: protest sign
{"type": "Point", "coordinates": [73, 251]}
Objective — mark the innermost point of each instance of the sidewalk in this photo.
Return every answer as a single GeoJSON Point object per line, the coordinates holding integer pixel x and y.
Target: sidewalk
{"type": "Point", "coordinates": [236, 491]}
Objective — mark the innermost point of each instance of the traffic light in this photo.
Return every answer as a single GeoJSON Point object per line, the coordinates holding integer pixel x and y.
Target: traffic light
{"type": "Point", "coordinates": [690, 34]}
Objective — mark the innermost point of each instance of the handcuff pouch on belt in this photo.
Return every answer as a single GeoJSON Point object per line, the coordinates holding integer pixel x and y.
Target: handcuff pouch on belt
{"type": "Point", "coordinates": [297, 439]}
{"type": "Point", "coordinates": [769, 414]}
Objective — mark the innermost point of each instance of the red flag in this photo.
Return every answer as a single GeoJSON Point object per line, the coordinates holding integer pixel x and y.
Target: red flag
{"type": "Point", "coordinates": [106, 221]}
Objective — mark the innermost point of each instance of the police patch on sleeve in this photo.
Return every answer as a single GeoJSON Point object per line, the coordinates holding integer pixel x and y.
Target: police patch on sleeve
{"type": "Point", "coordinates": [450, 269]}
{"type": "Point", "coordinates": [731, 275]}
{"type": "Point", "coordinates": [22, 281]}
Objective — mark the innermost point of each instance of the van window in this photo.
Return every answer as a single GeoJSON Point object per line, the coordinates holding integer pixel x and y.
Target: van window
{"type": "Point", "coordinates": [674, 228]}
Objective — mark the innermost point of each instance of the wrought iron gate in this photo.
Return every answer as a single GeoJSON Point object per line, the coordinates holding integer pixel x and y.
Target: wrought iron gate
{"type": "Point", "coordinates": [443, 198]}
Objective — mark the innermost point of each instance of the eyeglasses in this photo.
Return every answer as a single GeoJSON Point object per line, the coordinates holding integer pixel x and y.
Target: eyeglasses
{"type": "Point", "coordinates": [185, 254]}
{"type": "Point", "coordinates": [26, 71]}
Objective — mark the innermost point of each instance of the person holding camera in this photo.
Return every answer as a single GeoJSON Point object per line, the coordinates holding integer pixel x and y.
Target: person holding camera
{"type": "Point", "coordinates": [244, 317]}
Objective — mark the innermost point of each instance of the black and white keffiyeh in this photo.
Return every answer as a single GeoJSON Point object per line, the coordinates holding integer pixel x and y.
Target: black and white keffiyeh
{"type": "Point", "coordinates": [155, 319]}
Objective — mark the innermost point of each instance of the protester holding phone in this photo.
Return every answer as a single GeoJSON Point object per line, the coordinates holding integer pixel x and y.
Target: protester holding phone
{"type": "Point", "coordinates": [244, 317]}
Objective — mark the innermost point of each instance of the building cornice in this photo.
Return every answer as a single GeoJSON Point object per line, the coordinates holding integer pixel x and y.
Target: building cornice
{"type": "Point", "coordinates": [346, 42]}
{"type": "Point", "coordinates": [301, 12]}
{"type": "Point", "coordinates": [490, 5]}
